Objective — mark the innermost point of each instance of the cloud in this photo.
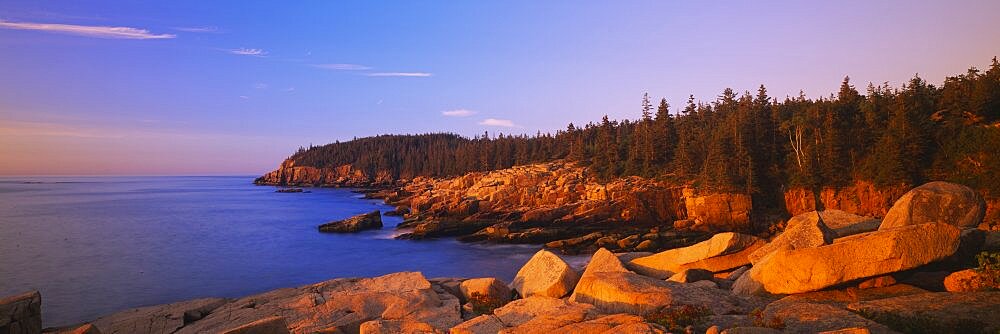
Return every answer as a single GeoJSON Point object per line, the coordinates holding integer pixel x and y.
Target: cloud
{"type": "Point", "coordinates": [400, 74]}
{"type": "Point", "coordinates": [458, 113]}
{"type": "Point", "coordinates": [498, 122]}
{"type": "Point", "coordinates": [197, 29]}
{"type": "Point", "coordinates": [342, 67]}
{"type": "Point", "coordinates": [88, 31]}
{"type": "Point", "coordinates": [290, 89]}
{"type": "Point", "coordinates": [248, 52]}
{"type": "Point", "coordinates": [260, 85]}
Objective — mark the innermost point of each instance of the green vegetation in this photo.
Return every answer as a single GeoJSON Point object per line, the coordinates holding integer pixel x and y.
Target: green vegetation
{"type": "Point", "coordinates": [989, 270]}
{"type": "Point", "coordinates": [677, 318]}
{"type": "Point", "coordinates": [740, 142]}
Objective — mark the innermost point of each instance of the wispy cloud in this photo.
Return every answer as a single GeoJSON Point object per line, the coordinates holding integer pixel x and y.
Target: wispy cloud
{"type": "Point", "coordinates": [290, 89]}
{"type": "Point", "coordinates": [88, 31]}
{"type": "Point", "coordinates": [458, 113]}
{"type": "Point", "coordinates": [260, 85]}
{"type": "Point", "coordinates": [249, 52]}
{"type": "Point", "coordinates": [498, 122]}
{"type": "Point", "coordinates": [400, 74]}
{"type": "Point", "coordinates": [45, 129]}
{"type": "Point", "coordinates": [342, 67]}
{"type": "Point", "coordinates": [197, 29]}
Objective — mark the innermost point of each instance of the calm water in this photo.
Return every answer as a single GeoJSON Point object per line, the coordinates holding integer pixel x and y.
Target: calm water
{"type": "Point", "coordinates": [96, 245]}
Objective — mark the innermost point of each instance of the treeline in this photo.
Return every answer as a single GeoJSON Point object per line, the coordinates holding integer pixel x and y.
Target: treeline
{"type": "Point", "coordinates": [747, 142]}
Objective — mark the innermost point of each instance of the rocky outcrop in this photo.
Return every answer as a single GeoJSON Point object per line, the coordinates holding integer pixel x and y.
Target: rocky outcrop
{"type": "Point", "coordinates": [861, 198]}
{"type": "Point", "coordinates": [856, 257]}
{"type": "Point", "coordinates": [339, 305]}
{"type": "Point", "coordinates": [545, 275]}
{"type": "Point", "coordinates": [368, 221]}
{"type": "Point", "coordinates": [940, 312]}
{"type": "Point", "coordinates": [614, 292]}
{"type": "Point", "coordinates": [933, 202]}
{"type": "Point", "coordinates": [969, 280]}
{"type": "Point", "coordinates": [667, 263]}
{"type": "Point", "coordinates": [269, 325]}
{"type": "Point", "coordinates": [164, 319]}
{"type": "Point", "coordinates": [290, 174]}
{"type": "Point", "coordinates": [810, 317]}
{"type": "Point", "coordinates": [21, 314]}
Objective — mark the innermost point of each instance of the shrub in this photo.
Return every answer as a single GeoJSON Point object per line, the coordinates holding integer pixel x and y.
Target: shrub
{"type": "Point", "coordinates": [483, 304]}
{"type": "Point", "coordinates": [989, 270]}
{"type": "Point", "coordinates": [679, 317]}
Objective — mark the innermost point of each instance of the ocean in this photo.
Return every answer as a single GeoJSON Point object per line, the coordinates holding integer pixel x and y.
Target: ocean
{"type": "Point", "coordinates": [97, 245]}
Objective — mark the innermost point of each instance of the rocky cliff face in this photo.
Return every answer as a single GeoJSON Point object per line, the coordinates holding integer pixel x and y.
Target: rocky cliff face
{"type": "Point", "coordinates": [288, 174]}
{"type": "Point", "coordinates": [861, 198]}
{"type": "Point", "coordinates": [560, 203]}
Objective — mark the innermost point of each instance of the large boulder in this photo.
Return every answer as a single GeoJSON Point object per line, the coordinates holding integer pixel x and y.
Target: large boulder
{"type": "Point", "coordinates": [21, 314]}
{"type": "Point", "coordinates": [368, 221]}
{"type": "Point", "coordinates": [933, 202]}
{"type": "Point", "coordinates": [624, 292]}
{"type": "Point", "coordinates": [339, 305]}
{"type": "Point", "coordinates": [664, 264]}
{"type": "Point", "coordinates": [803, 231]}
{"type": "Point", "coordinates": [856, 257]}
{"type": "Point", "coordinates": [546, 275]}
{"type": "Point", "coordinates": [938, 312]}
{"type": "Point", "coordinates": [168, 318]}
{"type": "Point", "coordinates": [398, 326]}
{"type": "Point", "coordinates": [604, 261]}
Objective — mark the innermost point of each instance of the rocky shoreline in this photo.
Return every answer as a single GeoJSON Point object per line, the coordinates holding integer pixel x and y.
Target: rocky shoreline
{"type": "Point", "coordinates": [564, 207]}
{"type": "Point", "coordinates": [826, 272]}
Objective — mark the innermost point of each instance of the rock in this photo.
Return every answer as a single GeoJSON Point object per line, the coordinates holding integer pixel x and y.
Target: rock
{"type": "Point", "coordinates": [646, 245]}
{"type": "Point", "coordinates": [691, 275]}
{"type": "Point", "coordinates": [603, 261]}
{"type": "Point", "coordinates": [852, 330]}
{"type": "Point", "coordinates": [805, 317]}
{"type": "Point", "coordinates": [877, 282]}
{"type": "Point", "coordinates": [664, 264]}
{"type": "Point", "coordinates": [545, 274]}
{"type": "Point", "coordinates": [529, 315]}
{"type": "Point", "coordinates": [167, 318]}
{"type": "Point", "coordinates": [713, 330]}
{"type": "Point", "coordinates": [397, 326]}
{"type": "Point", "coordinates": [844, 223]}
{"type": "Point", "coordinates": [735, 274]}
{"type": "Point", "coordinates": [717, 212]}
{"type": "Point", "coordinates": [626, 257]}
{"type": "Point", "coordinates": [77, 329]}
{"type": "Point", "coordinates": [368, 221]}
{"type": "Point", "coordinates": [269, 325]}
{"type": "Point", "coordinates": [751, 330]}
{"type": "Point", "coordinates": [623, 292]}
{"type": "Point", "coordinates": [937, 312]}
{"type": "Point", "coordinates": [636, 328]}
{"type": "Point", "coordinates": [803, 231]}
{"type": "Point", "coordinates": [490, 288]}
{"type": "Point", "coordinates": [600, 325]}
{"type": "Point", "coordinates": [968, 280]}
{"type": "Point", "coordinates": [933, 202]}
{"type": "Point", "coordinates": [339, 305]}
{"type": "Point", "coordinates": [628, 242]}
{"type": "Point", "coordinates": [842, 297]}
{"type": "Point", "coordinates": [22, 313]}
{"type": "Point", "coordinates": [856, 257]}
{"type": "Point", "coordinates": [726, 262]}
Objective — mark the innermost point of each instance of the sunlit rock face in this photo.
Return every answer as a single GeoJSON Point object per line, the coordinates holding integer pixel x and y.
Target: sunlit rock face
{"type": "Point", "coordinates": [868, 255]}
{"type": "Point", "coordinates": [933, 202]}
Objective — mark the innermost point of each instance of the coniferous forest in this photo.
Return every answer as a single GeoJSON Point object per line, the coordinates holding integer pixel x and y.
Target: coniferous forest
{"type": "Point", "coordinates": [746, 142]}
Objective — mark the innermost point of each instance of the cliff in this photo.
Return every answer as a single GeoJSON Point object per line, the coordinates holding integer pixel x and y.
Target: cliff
{"type": "Point", "coordinates": [289, 174]}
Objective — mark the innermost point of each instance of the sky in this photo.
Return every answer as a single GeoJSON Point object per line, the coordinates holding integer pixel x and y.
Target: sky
{"type": "Point", "coordinates": [234, 87]}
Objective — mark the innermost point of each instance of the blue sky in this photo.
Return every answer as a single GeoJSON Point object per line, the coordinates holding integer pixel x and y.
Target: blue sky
{"type": "Point", "coordinates": [233, 87]}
